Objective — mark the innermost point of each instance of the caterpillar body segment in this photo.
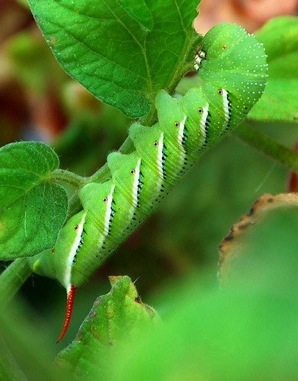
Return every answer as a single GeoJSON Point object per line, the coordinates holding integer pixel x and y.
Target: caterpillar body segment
{"type": "Point", "coordinates": [58, 262]}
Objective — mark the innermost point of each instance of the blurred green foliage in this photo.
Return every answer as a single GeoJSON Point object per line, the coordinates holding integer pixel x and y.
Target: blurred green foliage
{"type": "Point", "coordinates": [247, 330]}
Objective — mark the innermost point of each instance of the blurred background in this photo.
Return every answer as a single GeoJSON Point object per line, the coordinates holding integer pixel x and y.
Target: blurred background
{"type": "Point", "coordinates": [38, 101]}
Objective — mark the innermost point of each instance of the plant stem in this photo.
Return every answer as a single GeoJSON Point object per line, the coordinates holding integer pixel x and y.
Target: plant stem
{"type": "Point", "coordinates": [268, 146]}
{"type": "Point", "coordinates": [70, 178]}
{"type": "Point", "coordinates": [12, 279]}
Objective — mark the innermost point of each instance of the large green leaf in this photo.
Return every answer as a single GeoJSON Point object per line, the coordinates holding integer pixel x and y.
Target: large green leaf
{"type": "Point", "coordinates": [279, 101]}
{"type": "Point", "coordinates": [218, 337]}
{"type": "Point", "coordinates": [32, 207]}
{"type": "Point", "coordinates": [115, 319]}
{"type": "Point", "coordinates": [121, 51]}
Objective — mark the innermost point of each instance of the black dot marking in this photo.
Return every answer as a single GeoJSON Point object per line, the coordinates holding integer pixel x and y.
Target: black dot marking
{"type": "Point", "coordinates": [201, 110]}
{"type": "Point", "coordinates": [184, 137]}
{"type": "Point", "coordinates": [177, 124]}
{"type": "Point", "coordinates": [112, 215]}
{"type": "Point", "coordinates": [132, 171]}
{"type": "Point", "coordinates": [164, 157]}
{"type": "Point", "coordinates": [105, 199]}
{"type": "Point", "coordinates": [141, 182]}
{"type": "Point", "coordinates": [220, 92]}
{"type": "Point", "coordinates": [155, 144]}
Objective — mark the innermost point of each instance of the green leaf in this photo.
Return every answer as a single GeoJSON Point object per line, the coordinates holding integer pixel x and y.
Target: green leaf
{"type": "Point", "coordinates": [139, 12]}
{"type": "Point", "coordinates": [121, 51]}
{"type": "Point", "coordinates": [279, 101]}
{"type": "Point", "coordinates": [114, 320]}
{"type": "Point", "coordinates": [227, 336]}
{"type": "Point", "coordinates": [32, 207]}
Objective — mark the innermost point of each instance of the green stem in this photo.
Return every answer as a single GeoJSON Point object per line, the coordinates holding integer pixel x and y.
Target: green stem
{"type": "Point", "coordinates": [12, 279]}
{"type": "Point", "coordinates": [70, 178]}
{"type": "Point", "coordinates": [268, 146]}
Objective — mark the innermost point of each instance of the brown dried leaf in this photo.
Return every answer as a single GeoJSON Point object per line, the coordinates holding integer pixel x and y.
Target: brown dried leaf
{"type": "Point", "coordinates": [231, 246]}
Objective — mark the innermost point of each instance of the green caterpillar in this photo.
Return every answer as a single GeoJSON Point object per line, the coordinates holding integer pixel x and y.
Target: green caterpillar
{"type": "Point", "coordinates": [233, 70]}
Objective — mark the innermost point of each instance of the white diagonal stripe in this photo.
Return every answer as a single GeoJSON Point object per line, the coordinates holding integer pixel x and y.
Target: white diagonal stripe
{"type": "Point", "coordinates": [108, 213]}
{"type": "Point", "coordinates": [226, 106]}
{"type": "Point", "coordinates": [73, 251]}
{"type": "Point", "coordinates": [203, 121]}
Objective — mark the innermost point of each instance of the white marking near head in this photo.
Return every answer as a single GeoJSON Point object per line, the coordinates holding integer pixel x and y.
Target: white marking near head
{"type": "Point", "coordinates": [199, 57]}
